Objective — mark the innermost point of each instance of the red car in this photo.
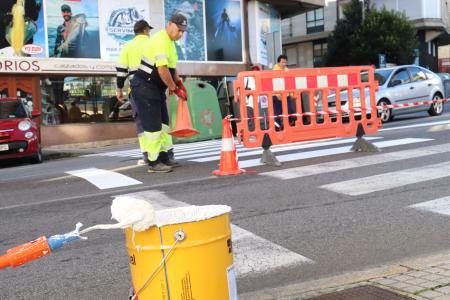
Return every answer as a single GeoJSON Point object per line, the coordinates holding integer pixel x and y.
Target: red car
{"type": "Point", "coordinates": [19, 132]}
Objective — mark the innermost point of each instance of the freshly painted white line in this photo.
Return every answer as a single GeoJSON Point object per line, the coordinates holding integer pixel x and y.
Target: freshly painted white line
{"type": "Point", "coordinates": [440, 206]}
{"type": "Point", "coordinates": [331, 151]}
{"type": "Point", "coordinates": [416, 125]}
{"type": "Point", "coordinates": [252, 254]}
{"type": "Point", "coordinates": [358, 162]}
{"type": "Point", "coordinates": [252, 151]}
{"type": "Point", "coordinates": [255, 255]}
{"type": "Point", "coordinates": [104, 179]}
{"type": "Point", "coordinates": [390, 180]}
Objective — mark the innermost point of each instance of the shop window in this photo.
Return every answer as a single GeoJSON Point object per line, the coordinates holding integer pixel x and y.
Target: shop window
{"type": "Point", "coordinates": [314, 21]}
{"type": "Point", "coordinates": [81, 100]}
{"type": "Point", "coordinates": [319, 51]}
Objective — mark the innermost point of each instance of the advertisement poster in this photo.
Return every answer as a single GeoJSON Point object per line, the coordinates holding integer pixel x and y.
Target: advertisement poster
{"type": "Point", "coordinates": [223, 30]}
{"type": "Point", "coordinates": [117, 20]}
{"type": "Point", "coordinates": [22, 28]}
{"type": "Point", "coordinates": [264, 29]}
{"type": "Point", "coordinates": [192, 45]}
{"type": "Point", "coordinates": [73, 28]}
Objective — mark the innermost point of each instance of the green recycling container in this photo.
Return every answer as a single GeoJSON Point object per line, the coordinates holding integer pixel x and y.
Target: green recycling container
{"type": "Point", "coordinates": [204, 110]}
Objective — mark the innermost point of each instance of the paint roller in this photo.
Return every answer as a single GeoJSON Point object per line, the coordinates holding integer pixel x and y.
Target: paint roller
{"type": "Point", "coordinates": [38, 248]}
{"type": "Point", "coordinates": [129, 212]}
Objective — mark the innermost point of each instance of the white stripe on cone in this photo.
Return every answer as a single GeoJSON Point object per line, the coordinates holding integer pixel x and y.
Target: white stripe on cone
{"type": "Point", "coordinates": [228, 144]}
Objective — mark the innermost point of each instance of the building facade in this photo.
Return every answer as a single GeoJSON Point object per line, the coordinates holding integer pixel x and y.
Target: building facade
{"type": "Point", "coordinates": [305, 36]}
{"type": "Point", "coordinates": [60, 55]}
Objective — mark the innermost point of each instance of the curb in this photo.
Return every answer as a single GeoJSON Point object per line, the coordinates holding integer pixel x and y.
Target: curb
{"type": "Point", "coordinates": [305, 290]}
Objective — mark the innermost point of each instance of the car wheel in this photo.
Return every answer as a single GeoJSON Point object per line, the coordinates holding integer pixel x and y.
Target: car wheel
{"type": "Point", "coordinates": [37, 158]}
{"type": "Point", "coordinates": [437, 108]}
{"type": "Point", "coordinates": [386, 113]}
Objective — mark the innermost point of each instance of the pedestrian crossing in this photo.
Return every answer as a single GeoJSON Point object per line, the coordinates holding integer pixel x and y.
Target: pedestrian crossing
{"type": "Point", "coordinates": [255, 255]}
{"type": "Point", "coordinates": [209, 151]}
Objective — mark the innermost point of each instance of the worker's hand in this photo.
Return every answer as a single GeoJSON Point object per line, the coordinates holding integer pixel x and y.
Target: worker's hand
{"type": "Point", "coordinates": [119, 95]}
{"type": "Point", "coordinates": [181, 86]}
{"type": "Point", "coordinates": [180, 93]}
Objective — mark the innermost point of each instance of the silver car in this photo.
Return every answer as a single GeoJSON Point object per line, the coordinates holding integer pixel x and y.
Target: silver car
{"type": "Point", "coordinates": [399, 85]}
{"type": "Point", "coordinates": [407, 84]}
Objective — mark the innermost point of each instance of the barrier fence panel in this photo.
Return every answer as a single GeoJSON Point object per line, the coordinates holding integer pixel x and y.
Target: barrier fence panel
{"type": "Point", "coordinates": [305, 104]}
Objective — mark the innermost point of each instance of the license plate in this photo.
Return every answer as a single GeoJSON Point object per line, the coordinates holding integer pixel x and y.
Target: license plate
{"type": "Point", "coordinates": [4, 147]}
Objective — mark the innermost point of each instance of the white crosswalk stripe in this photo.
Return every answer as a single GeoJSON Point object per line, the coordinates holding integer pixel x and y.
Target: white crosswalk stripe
{"type": "Point", "coordinates": [440, 206]}
{"type": "Point", "coordinates": [252, 254]}
{"type": "Point", "coordinates": [104, 179]}
{"type": "Point", "coordinates": [390, 180]}
{"type": "Point", "coordinates": [358, 162]}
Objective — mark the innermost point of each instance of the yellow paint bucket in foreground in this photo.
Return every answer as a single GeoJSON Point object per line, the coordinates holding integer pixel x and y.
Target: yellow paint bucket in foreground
{"type": "Point", "coordinates": [198, 264]}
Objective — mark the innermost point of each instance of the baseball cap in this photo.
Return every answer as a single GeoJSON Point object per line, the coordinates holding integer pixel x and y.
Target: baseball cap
{"type": "Point", "coordinates": [140, 25]}
{"type": "Point", "coordinates": [65, 7]}
{"type": "Point", "coordinates": [180, 20]}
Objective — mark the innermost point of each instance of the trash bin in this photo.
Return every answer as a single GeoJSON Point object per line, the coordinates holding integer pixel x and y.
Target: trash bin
{"type": "Point", "coordinates": [188, 255]}
{"type": "Point", "coordinates": [204, 110]}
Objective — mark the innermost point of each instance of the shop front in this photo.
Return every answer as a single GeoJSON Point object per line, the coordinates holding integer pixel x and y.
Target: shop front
{"type": "Point", "coordinates": [61, 59]}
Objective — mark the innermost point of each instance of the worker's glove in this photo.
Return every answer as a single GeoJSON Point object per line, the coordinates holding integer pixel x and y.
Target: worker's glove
{"type": "Point", "coordinates": [180, 93]}
{"type": "Point", "coordinates": [181, 86]}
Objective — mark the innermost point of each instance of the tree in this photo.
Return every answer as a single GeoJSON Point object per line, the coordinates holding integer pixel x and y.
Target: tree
{"type": "Point", "coordinates": [358, 41]}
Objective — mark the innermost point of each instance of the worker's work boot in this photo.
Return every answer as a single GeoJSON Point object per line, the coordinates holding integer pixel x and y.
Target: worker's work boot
{"type": "Point", "coordinates": [171, 163]}
{"type": "Point", "coordinates": [159, 168]}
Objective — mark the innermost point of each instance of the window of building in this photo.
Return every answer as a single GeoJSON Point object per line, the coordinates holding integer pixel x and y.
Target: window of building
{"type": "Point", "coordinates": [319, 52]}
{"type": "Point", "coordinates": [68, 99]}
{"type": "Point", "coordinates": [314, 21]}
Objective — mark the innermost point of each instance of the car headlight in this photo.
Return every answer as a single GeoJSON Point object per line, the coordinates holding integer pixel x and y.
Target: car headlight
{"type": "Point", "coordinates": [24, 125]}
{"type": "Point", "coordinates": [29, 135]}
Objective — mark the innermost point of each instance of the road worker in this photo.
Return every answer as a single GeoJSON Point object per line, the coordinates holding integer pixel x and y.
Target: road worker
{"type": "Point", "coordinates": [156, 73]}
{"type": "Point", "coordinates": [129, 60]}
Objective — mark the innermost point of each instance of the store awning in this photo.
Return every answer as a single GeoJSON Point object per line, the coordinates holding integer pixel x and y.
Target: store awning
{"type": "Point", "coordinates": [289, 8]}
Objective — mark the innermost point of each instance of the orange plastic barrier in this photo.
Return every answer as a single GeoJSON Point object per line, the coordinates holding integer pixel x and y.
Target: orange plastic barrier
{"type": "Point", "coordinates": [305, 104]}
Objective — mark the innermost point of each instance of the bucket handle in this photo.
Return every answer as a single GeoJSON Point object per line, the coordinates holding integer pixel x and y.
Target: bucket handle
{"type": "Point", "coordinates": [179, 236]}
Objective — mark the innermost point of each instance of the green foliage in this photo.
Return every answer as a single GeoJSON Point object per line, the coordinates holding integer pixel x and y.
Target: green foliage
{"type": "Point", "coordinates": [358, 42]}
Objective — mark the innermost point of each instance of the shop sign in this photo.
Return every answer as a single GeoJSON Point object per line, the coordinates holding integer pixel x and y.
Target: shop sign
{"type": "Point", "coordinates": [59, 66]}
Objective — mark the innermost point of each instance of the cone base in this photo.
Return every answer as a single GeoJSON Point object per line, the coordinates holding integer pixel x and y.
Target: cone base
{"type": "Point", "coordinates": [227, 173]}
{"type": "Point", "coordinates": [185, 132]}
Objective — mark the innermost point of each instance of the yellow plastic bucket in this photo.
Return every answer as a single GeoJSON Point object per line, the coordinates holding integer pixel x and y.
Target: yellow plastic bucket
{"type": "Point", "coordinates": [187, 256]}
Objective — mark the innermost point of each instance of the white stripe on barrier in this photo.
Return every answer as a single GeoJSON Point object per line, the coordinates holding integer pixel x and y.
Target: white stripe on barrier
{"type": "Point", "coordinates": [278, 84]}
{"type": "Point", "coordinates": [322, 81]}
{"type": "Point", "coordinates": [228, 144]}
{"type": "Point", "coordinates": [342, 80]}
{"type": "Point", "coordinates": [390, 180]}
{"type": "Point", "coordinates": [301, 83]}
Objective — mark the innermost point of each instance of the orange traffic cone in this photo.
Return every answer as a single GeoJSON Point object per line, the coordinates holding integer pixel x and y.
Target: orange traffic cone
{"type": "Point", "coordinates": [183, 126]}
{"type": "Point", "coordinates": [229, 164]}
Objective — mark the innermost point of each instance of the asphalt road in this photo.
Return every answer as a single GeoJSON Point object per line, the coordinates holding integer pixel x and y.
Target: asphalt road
{"type": "Point", "coordinates": [309, 215]}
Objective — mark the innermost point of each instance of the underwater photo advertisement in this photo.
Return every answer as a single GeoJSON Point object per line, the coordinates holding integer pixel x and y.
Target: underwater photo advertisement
{"type": "Point", "coordinates": [223, 30]}
{"type": "Point", "coordinates": [192, 45]}
{"type": "Point", "coordinates": [73, 28]}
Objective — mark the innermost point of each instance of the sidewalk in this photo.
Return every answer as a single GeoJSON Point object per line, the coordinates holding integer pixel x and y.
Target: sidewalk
{"type": "Point", "coordinates": [71, 150]}
{"type": "Point", "coordinates": [422, 278]}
